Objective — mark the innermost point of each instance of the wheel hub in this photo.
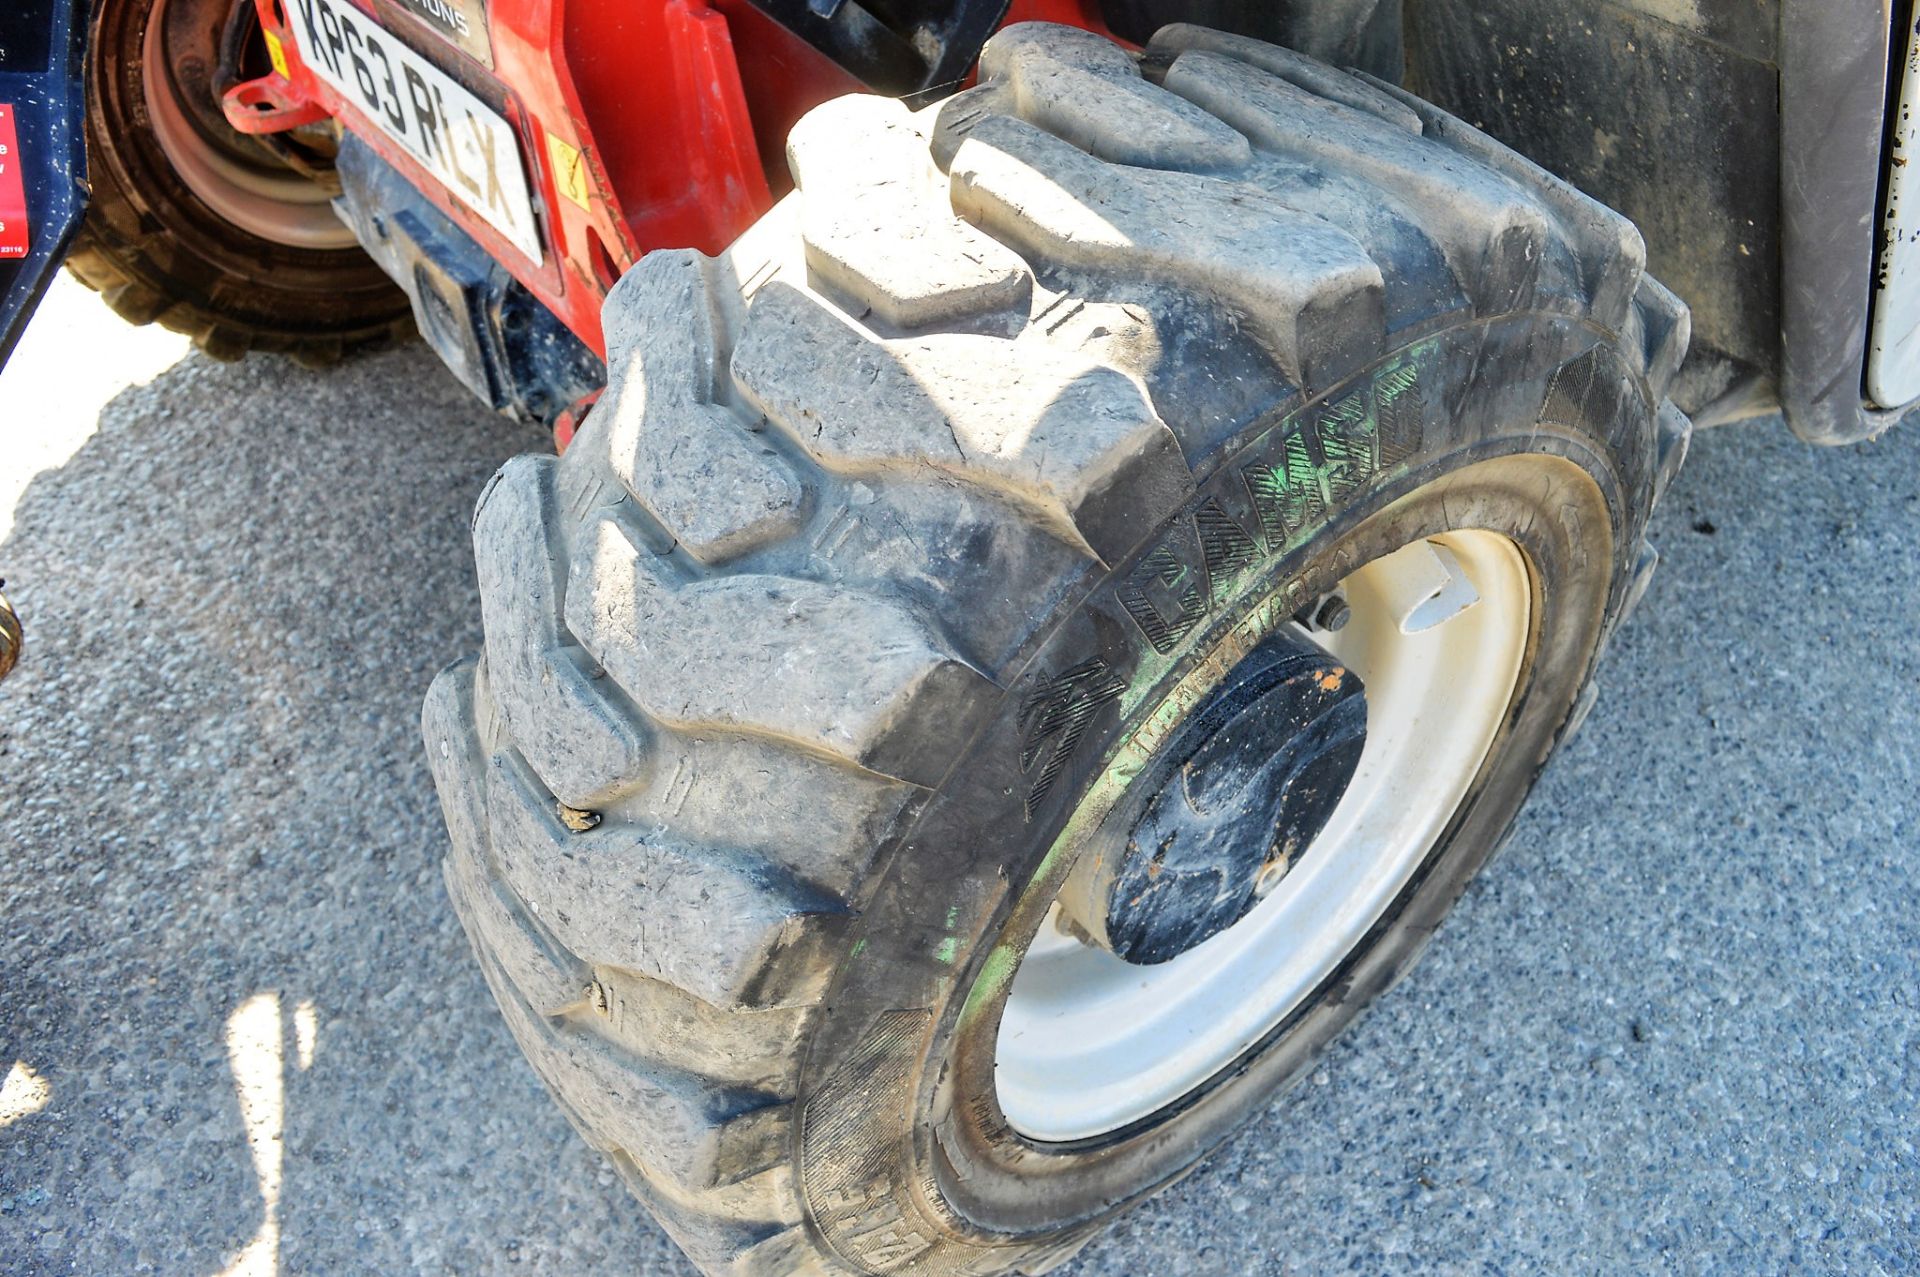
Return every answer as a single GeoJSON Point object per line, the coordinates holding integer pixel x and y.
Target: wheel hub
{"type": "Point", "coordinates": [1245, 785]}
{"type": "Point", "coordinates": [1089, 1042]}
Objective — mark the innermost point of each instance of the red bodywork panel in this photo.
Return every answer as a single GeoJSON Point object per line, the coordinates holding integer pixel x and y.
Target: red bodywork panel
{"type": "Point", "coordinates": [678, 111]}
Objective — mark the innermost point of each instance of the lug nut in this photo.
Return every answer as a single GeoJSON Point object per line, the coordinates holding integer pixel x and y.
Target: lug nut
{"type": "Point", "coordinates": [1332, 614]}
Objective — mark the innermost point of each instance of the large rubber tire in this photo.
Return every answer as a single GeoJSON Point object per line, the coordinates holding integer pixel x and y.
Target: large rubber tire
{"type": "Point", "coordinates": [157, 252]}
{"type": "Point", "coordinates": [899, 517]}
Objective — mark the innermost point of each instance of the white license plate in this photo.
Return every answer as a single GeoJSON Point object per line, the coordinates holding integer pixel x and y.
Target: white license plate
{"type": "Point", "coordinates": [453, 134]}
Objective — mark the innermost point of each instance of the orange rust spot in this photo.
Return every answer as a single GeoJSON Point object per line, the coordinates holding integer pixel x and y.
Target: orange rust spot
{"type": "Point", "coordinates": [1330, 681]}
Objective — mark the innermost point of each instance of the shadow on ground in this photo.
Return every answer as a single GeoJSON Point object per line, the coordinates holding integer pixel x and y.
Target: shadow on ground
{"type": "Point", "coordinates": [1675, 1026]}
{"type": "Point", "coordinates": [212, 788]}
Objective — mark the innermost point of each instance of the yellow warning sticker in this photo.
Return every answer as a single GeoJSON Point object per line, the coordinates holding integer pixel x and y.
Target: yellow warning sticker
{"type": "Point", "coordinates": [569, 172]}
{"type": "Point", "coordinates": [278, 55]}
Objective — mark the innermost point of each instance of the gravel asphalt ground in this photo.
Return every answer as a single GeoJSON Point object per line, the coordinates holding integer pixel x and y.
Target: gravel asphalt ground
{"type": "Point", "coordinates": [1674, 1029]}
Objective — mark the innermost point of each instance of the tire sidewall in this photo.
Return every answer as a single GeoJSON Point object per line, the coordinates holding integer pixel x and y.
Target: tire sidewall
{"type": "Point", "coordinates": [1532, 425]}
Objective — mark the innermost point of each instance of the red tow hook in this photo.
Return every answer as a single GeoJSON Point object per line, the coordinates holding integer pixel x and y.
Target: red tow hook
{"type": "Point", "coordinates": [262, 106]}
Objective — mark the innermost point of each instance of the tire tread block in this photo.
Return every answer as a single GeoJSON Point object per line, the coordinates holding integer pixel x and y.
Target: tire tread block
{"type": "Point", "coordinates": [584, 746]}
{"type": "Point", "coordinates": [1674, 434]}
{"type": "Point", "coordinates": [1665, 327]}
{"type": "Point", "coordinates": [697, 1144]}
{"type": "Point", "coordinates": [1612, 253]}
{"type": "Point", "coordinates": [843, 673]}
{"type": "Point", "coordinates": [878, 225]}
{"type": "Point", "coordinates": [1310, 74]}
{"type": "Point", "coordinates": [550, 981]}
{"type": "Point", "coordinates": [1304, 286]}
{"type": "Point", "coordinates": [686, 459]}
{"type": "Point", "coordinates": [1073, 441]}
{"type": "Point", "coordinates": [1495, 234]}
{"type": "Point", "coordinates": [655, 1021]}
{"type": "Point", "coordinates": [721, 926]}
{"type": "Point", "coordinates": [1087, 90]}
{"type": "Point", "coordinates": [814, 817]}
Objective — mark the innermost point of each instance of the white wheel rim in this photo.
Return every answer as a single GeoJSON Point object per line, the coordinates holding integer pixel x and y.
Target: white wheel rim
{"type": "Point", "coordinates": [1089, 1044]}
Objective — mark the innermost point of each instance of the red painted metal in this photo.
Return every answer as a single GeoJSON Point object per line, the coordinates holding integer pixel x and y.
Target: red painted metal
{"type": "Point", "coordinates": [265, 106]}
{"type": "Point", "coordinates": [567, 424]}
{"type": "Point", "coordinates": [785, 78]}
{"type": "Point", "coordinates": [1072, 13]}
{"type": "Point", "coordinates": [644, 124]}
{"type": "Point", "coordinates": [14, 240]}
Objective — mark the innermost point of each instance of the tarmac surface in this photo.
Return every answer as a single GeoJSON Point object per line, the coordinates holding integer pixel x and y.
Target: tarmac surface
{"type": "Point", "coordinates": [1674, 1029]}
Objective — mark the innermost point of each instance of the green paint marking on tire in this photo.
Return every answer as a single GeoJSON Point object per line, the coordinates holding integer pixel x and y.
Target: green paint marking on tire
{"type": "Point", "coordinates": [1296, 474]}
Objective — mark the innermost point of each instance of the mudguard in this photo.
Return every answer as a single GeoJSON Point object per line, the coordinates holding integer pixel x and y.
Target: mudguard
{"type": "Point", "coordinates": [1746, 138]}
{"type": "Point", "coordinates": [43, 156]}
